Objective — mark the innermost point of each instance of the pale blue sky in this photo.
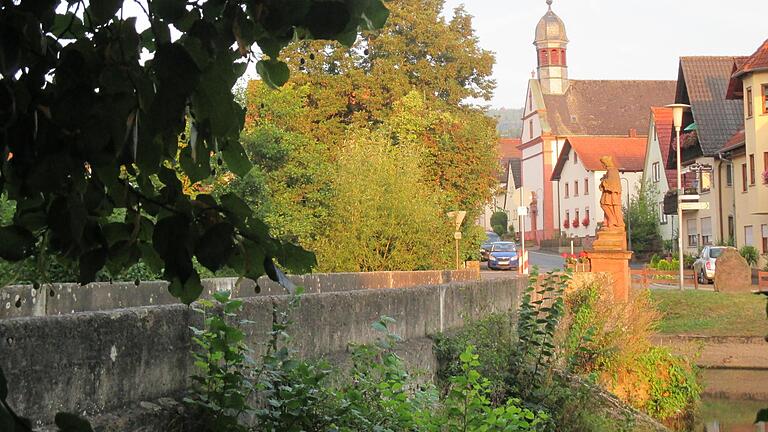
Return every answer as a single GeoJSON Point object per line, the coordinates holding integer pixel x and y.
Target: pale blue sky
{"type": "Point", "coordinates": [614, 39]}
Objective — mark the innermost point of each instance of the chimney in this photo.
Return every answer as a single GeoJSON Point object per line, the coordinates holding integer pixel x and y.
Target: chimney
{"type": "Point", "coordinates": [633, 133]}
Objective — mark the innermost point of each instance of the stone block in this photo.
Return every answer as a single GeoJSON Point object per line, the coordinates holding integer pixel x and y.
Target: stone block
{"type": "Point", "coordinates": [732, 273]}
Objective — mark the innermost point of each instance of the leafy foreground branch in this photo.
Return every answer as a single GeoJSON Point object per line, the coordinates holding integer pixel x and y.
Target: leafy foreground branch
{"type": "Point", "coordinates": [99, 118]}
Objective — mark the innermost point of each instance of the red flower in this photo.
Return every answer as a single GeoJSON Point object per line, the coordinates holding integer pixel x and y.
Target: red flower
{"type": "Point", "coordinates": [585, 222]}
{"type": "Point", "coordinates": [575, 223]}
{"type": "Point", "coordinates": [566, 224]}
{"type": "Point", "coordinates": [564, 255]}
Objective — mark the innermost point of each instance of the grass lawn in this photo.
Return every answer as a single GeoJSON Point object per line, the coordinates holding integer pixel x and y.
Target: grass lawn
{"type": "Point", "coordinates": [710, 313]}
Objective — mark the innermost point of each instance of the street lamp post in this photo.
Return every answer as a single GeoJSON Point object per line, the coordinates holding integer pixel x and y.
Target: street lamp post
{"type": "Point", "coordinates": [629, 216]}
{"type": "Point", "coordinates": [677, 116]}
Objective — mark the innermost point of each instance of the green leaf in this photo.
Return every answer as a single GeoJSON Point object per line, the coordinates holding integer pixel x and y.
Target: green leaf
{"type": "Point", "coordinates": [16, 243]}
{"type": "Point", "coordinates": [375, 15]}
{"type": "Point", "coordinates": [216, 246]}
{"type": "Point", "coordinates": [170, 10]}
{"type": "Point", "coordinates": [199, 167]}
{"type": "Point", "coordinates": [327, 19]}
{"type": "Point", "coordinates": [275, 73]}
{"type": "Point", "coordinates": [235, 157]}
{"type": "Point", "coordinates": [72, 423]}
{"type": "Point", "coordinates": [236, 207]}
{"type": "Point", "coordinates": [89, 264]}
{"type": "Point", "coordinates": [102, 11]}
{"type": "Point", "coordinates": [68, 26]}
{"type": "Point", "coordinates": [188, 291]}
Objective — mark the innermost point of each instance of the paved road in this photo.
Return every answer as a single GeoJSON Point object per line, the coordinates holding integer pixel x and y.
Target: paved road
{"type": "Point", "coordinates": [545, 260]}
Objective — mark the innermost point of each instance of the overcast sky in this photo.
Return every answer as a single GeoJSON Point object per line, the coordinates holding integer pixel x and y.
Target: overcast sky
{"type": "Point", "coordinates": [614, 39]}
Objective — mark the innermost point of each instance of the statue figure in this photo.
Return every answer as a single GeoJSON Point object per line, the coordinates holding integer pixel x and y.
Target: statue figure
{"type": "Point", "coordinates": [610, 201]}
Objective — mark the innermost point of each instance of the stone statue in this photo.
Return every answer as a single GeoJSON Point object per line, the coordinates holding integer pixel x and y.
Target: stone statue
{"type": "Point", "coordinates": [610, 201]}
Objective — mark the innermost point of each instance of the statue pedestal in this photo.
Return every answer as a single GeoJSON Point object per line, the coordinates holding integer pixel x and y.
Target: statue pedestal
{"type": "Point", "coordinates": [610, 255]}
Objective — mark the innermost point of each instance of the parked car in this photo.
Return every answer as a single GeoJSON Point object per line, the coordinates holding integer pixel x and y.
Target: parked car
{"type": "Point", "coordinates": [503, 255]}
{"type": "Point", "coordinates": [704, 266]}
{"type": "Point", "coordinates": [485, 248]}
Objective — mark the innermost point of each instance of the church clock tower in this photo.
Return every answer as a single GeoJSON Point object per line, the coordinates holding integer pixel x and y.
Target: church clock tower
{"type": "Point", "coordinates": [551, 42]}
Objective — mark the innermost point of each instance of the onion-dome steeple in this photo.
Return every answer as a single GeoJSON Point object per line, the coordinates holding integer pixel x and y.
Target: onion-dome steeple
{"type": "Point", "coordinates": [551, 42]}
{"type": "Point", "coordinates": [550, 28]}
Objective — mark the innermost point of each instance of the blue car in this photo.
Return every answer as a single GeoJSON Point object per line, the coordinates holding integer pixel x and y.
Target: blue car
{"type": "Point", "coordinates": [503, 255]}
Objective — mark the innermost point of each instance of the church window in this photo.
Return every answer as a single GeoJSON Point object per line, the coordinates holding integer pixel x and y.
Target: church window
{"type": "Point", "coordinates": [545, 58]}
{"type": "Point", "coordinates": [562, 57]}
{"type": "Point", "coordinates": [555, 57]}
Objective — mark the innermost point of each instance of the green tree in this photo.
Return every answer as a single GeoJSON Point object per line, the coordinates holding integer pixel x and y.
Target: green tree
{"type": "Point", "coordinates": [643, 215]}
{"type": "Point", "coordinates": [289, 184]}
{"type": "Point", "coordinates": [411, 76]}
{"type": "Point", "coordinates": [382, 215]}
{"type": "Point", "coordinates": [92, 113]}
{"type": "Point", "coordinates": [499, 219]}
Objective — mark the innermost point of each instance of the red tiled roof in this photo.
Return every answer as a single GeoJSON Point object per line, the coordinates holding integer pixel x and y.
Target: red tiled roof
{"type": "Point", "coordinates": [509, 158]}
{"type": "Point", "coordinates": [755, 62]}
{"type": "Point", "coordinates": [508, 148]}
{"type": "Point", "coordinates": [737, 140]}
{"type": "Point", "coordinates": [662, 118]}
{"type": "Point", "coordinates": [605, 107]}
{"type": "Point", "coordinates": [628, 152]}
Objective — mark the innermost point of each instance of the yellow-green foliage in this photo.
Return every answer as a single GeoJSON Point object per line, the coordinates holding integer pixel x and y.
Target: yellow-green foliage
{"type": "Point", "coordinates": [609, 342]}
{"type": "Point", "coordinates": [382, 215]}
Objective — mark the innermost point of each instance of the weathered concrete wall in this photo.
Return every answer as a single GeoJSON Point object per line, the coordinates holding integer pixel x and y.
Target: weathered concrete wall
{"type": "Point", "coordinates": [56, 299]}
{"type": "Point", "coordinates": [96, 362]}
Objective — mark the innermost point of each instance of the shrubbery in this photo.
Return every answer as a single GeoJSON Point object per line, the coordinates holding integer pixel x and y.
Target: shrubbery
{"type": "Point", "coordinates": [609, 343]}
{"type": "Point", "coordinates": [750, 254]}
{"type": "Point", "coordinates": [377, 394]}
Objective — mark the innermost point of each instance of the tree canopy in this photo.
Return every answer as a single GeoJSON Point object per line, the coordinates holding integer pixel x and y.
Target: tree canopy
{"type": "Point", "coordinates": [95, 115]}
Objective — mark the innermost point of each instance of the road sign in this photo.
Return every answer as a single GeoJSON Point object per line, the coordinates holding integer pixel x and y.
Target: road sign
{"type": "Point", "coordinates": [457, 235]}
{"type": "Point", "coordinates": [458, 217]}
{"type": "Point", "coordinates": [697, 168]}
{"type": "Point", "coordinates": [689, 197]}
{"type": "Point", "coordinates": [522, 211]}
{"type": "Point", "coordinates": [694, 205]}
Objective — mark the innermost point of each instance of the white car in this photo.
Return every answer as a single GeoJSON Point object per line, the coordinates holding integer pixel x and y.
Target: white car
{"type": "Point", "coordinates": [704, 266]}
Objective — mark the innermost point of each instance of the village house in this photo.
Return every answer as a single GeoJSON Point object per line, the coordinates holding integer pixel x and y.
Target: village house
{"type": "Point", "coordinates": [506, 197]}
{"type": "Point", "coordinates": [557, 108]}
{"type": "Point", "coordinates": [711, 122]}
{"type": "Point", "coordinates": [659, 157]}
{"type": "Point", "coordinates": [578, 172]}
{"type": "Point", "coordinates": [747, 152]}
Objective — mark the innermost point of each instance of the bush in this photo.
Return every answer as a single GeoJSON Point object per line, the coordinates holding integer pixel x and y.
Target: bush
{"type": "Point", "coordinates": [609, 343]}
{"type": "Point", "coordinates": [499, 229]}
{"type": "Point", "coordinates": [389, 221]}
{"type": "Point", "coordinates": [750, 254]}
{"type": "Point", "coordinates": [500, 218]}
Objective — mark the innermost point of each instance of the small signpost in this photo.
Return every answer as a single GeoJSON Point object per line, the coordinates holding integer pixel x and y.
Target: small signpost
{"type": "Point", "coordinates": [458, 218]}
{"type": "Point", "coordinates": [694, 205]}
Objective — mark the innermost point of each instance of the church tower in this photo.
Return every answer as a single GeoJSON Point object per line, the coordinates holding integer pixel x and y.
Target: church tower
{"type": "Point", "coordinates": [551, 42]}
